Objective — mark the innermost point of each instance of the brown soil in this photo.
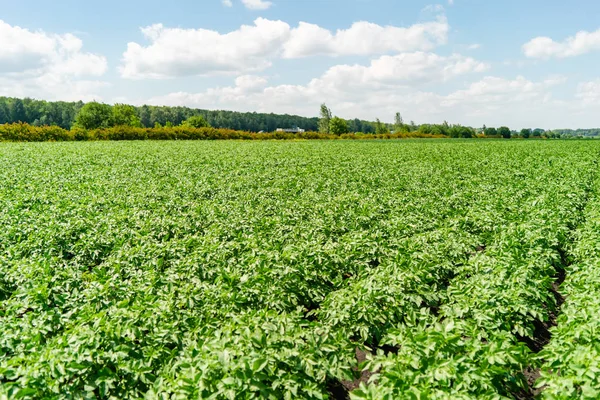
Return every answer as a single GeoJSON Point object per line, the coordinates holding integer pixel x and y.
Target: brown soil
{"type": "Point", "coordinates": [541, 337]}
{"type": "Point", "coordinates": [340, 390]}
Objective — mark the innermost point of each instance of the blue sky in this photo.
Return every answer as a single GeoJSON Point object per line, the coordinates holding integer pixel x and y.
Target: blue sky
{"type": "Point", "coordinates": [527, 63]}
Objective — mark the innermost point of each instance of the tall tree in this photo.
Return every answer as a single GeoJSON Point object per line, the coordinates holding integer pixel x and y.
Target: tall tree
{"type": "Point", "coordinates": [412, 126]}
{"type": "Point", "coordinates": [124, 114]}
{"type": "Point", "coordinates": [504, 132]}
{"type": "Point", "coordinates": [144, 115]}
{"type": "Point", "coordinates": [16, 111]}
{"type": "Point", "coordinates": [94, 115]}
{"type": "Point", "coordinates": [197, 121]}
{"type": "Point", "coordinates": [398, 123]}
{"type": "Point", "coordinates": [4, 117]}
{"type": "Point", "coordinates": [324, 120]}
{"type": "Point", "coordinates": [490, 131]}
{"type": "Point", "coordinates": [338, 126]}
{"type": "Point", "coordinates": [381, 128]}
{"type": "Point", "coordinates": [158, 116]}
{"type": "Point", "coordinates": [525, 133]}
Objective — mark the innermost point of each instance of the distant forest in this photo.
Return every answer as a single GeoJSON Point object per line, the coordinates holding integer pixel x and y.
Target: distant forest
{"type": "Point", "coordinates": [63, 114]}
{"type": "Point", "coordinates": [40, 112]}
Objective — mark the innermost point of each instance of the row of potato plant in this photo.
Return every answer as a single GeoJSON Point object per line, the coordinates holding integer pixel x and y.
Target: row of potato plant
{"type": "Point", "coordinates": [572, 358]}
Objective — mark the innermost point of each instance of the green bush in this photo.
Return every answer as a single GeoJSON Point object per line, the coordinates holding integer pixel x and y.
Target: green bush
{"type": "Point", "coordinates": [21, 132]}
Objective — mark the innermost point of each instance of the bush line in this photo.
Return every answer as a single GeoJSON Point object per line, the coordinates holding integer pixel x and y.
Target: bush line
{"type": "Point", "coordinates": [21, 132]}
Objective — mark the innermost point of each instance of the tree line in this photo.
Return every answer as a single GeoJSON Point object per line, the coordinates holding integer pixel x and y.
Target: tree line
{"type": "Point", "coordinates": [334, 125]}
{"type": "Point", "coordinates": [330, 124]}
{"type": "Point", "coordinates": [96, 115]}
{"type": "Point", "coordinates": [64, 115]}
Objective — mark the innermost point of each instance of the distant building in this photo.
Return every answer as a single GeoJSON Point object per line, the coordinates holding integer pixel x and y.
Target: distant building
{"type": "Point", "coordinates": [291, 130]}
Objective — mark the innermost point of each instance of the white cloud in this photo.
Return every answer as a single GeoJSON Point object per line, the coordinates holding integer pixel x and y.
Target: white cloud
{"type": "Point", "coordinates": [406, 69]}
{"type": "Point", "coordinates": [433, 8]}
{"type": "Point", "coordinates": [257, 4]}
{"type": "Point", "coordinates": [176, 52]}
{"type": "Point", "coordinates": [589, 93]}
{"type": "Point", "coordinates": [364, 38]}
{"type": "Point", "coordinates": [246, 87]}
{"type": "Point", "coordinates": [52, 87]}
{"type": "Point", "coordinates": [250, 82]}
{"type": "Point", "coordinates": [493, 92]}
{"type": "Point", "coordinates": [227, 3]}
{"type": "Point", "coordinates": [544, 47]}
{"type": "Point", "coordinates": [187, 52]}
{"type": "Point", "coordinates": [474, 46]}
{"type": "Point", "coordinates": [370, 91]}
{"type": "Point", "coordinates": [451, 2]}
{"type": "Point", "coordinates": [52, 66]}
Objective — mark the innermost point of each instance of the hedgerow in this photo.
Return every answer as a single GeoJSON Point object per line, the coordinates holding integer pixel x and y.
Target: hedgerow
{"type": "Point", "coordinates": [20, 132]}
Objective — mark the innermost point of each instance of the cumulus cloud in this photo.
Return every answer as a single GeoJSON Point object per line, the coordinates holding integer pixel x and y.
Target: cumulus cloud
{"type": "Point", "coordinates": [367, 91]}
{"type": "Point", "coordinates": [544, 47]}
{"type": "Point", "coordinates": [257, 4]}
{"type": "Point", "coordinates": [589, 92]}
{"type": "Point", "coordinates": [364, 38]}
{"type": "Point", "coordinates": [493, 92]}
{"type": "Point", "coordinates": [250, 82]}
{"type": "Point", "coordinates": [406, 69]}
{"type": "Point", "coordinates": [187, 52]}
{"type": "Point", "coordinates": [174, 52]}
{"type": "Point", "coordinates": [48, 65]}
{"type": "Point", "coordinates": [227, 3]}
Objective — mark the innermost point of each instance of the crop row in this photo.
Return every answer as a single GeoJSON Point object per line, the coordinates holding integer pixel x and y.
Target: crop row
{"type": "Point", "coordinates": [572, 358]}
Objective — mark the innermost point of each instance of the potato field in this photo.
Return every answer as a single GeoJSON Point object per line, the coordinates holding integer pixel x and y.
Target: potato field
{"type": "Point", "coordinates": [430, 269]}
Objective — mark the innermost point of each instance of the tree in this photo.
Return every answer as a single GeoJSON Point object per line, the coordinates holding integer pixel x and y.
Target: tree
{"type": "Point", "coordinates": [525, 133]}
{"type": "Point", "coordinates": [446, 129]}
{"type": "Point", "coordinates": [4, 118]}
{"type": "Point", "coordinates": [325, 118]}
{"type": "Point", "coordinates": [158, 114]}
{"type": "Point", "coordinates": [94, 115]}
{"type": "Point", "coordinates": [412, 127]}
{"type": "Point", "coordinates": [425, 129]}
{"type": "Point", "coordinates": [355, 125]}
{"type": "Point", "coordinates": [16, 111]}
{"type": "Point", "coordinates": [381, 128]}
{"type": "Point", "coordinates": [144, 114]}
{"type": "Point", "coordinates": [504, 132]}
{"type": "Point", "coordinates": [399, 123]}
{"type": "Point", "coordinates": [126, 115]}
{"type": "Point", "coordinates": [69, 114]}
{"type": "Point", "coordinates": [338, 126]}
{"type": "Point", "coordinates": [197, 121]}
{"type": "Point", "coordinates": [459, 131]}
{"type": "Point", "coordinates": [490, 131]}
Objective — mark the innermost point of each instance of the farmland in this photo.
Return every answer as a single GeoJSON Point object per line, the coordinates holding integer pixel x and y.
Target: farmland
{"type": "Point", "coordinates": [237, 270]}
